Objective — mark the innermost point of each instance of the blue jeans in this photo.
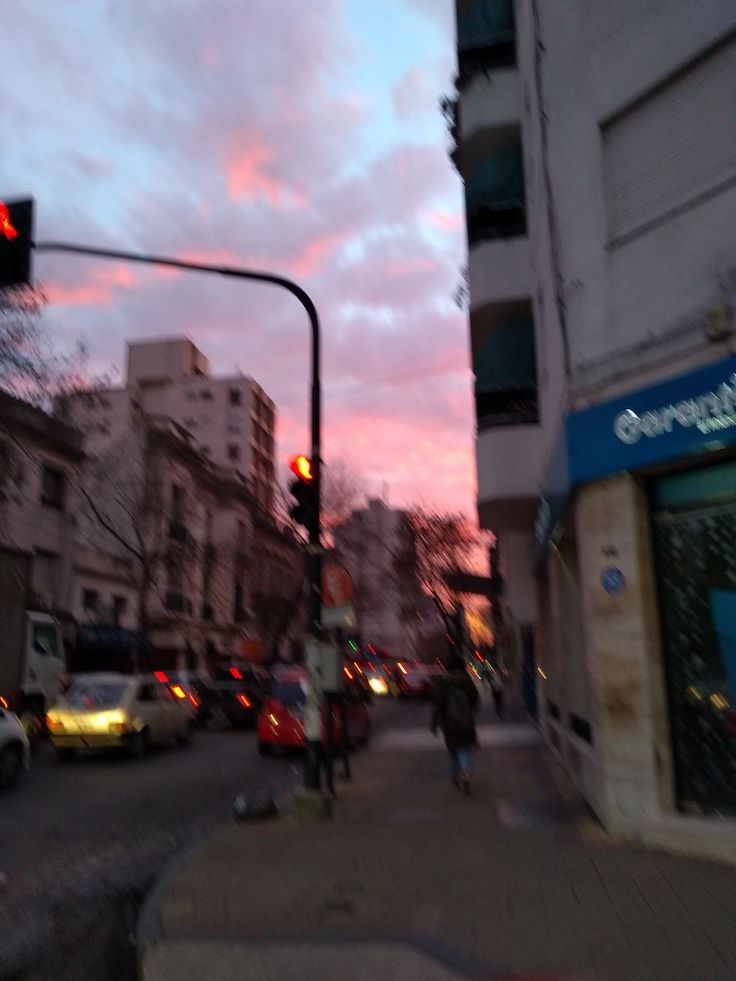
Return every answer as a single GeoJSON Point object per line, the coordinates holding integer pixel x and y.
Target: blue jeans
{"type": "Point", "coordinates": [459, 760]}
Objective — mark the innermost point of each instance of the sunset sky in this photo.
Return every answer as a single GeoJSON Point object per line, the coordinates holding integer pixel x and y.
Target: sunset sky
{"type": "Point", "coordinates": [303, 137]}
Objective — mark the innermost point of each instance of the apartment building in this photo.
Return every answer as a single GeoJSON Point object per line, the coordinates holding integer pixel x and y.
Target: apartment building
{"type": "Point", "coordinates": [597, 143]}
{"type": "Point", "coordinates": [232, 419]}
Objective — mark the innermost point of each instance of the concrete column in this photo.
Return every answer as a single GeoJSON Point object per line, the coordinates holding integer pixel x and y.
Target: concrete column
{"type": "Point", "coordinates": [623, 655]}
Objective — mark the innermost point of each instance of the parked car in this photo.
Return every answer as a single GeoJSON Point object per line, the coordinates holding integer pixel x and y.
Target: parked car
{"type": "Point", "coordinates": [241, 690]}
{"type": "Point", "coordinates": [281, 721]}
{"type": "Point", "coordinates": [15, 750]}
{"type": "Point", "coordinates": [414, 680]}
{"type": "Point", "coordinates": [117, 710]}
{"type": "Point", "coordinates": [379, 678]}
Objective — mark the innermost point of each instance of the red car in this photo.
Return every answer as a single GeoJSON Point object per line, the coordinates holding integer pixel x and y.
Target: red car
{"type": "Point", "coordinates": [281, 720]}
{"type": "Point", "coordinates": [414, 681]}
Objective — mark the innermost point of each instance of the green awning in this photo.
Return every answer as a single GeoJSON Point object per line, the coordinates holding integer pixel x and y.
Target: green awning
{"type": "Point", "coordinates": [507, 359]}
{"type": "Point", "coordinates": [498, 182]}
{"type": "Point", "coordinates": [486, 24]}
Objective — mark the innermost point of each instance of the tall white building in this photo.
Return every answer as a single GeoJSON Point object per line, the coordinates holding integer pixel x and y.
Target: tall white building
{"type": "Point", "coordinates": [232, 419]}
{"type": "Point", "coordinates": [597, 142]}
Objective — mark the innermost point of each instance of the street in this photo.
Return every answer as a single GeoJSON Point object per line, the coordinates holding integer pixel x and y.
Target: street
{"type": "Point", "coordinates": [81, 842]}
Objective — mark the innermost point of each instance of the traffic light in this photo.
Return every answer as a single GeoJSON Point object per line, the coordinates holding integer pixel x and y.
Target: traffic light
{"type": "Point", "coordinates": [16, 235]}
{"type": "Point", "coordinates": [303, 491]}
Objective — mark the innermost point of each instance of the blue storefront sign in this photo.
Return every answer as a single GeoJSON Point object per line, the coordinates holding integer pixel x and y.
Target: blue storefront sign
{"type": "Point", "coordinates": [692, 413]}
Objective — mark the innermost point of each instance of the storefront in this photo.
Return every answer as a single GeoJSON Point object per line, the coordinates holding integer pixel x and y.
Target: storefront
{"type": "Point", "coordinates": [645, 486]}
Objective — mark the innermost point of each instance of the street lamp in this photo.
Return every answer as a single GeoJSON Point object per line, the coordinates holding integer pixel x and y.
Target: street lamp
{"type": "Point", "coordinates": [312, 779]}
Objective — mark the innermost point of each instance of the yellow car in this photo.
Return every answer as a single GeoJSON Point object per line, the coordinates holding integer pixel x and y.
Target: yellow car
{"type": "Point", "coordinates": [117, 710]}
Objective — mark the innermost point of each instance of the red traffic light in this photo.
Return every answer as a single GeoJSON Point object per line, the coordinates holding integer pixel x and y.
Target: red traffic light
{"type": "Point", "coordinates": [302, 466]}
{"type": "Point", "coordinates": [7, 228]}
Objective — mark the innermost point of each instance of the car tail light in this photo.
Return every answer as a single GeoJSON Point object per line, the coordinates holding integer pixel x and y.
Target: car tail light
{"type": "Point", "coordinates": [348, 673]}
{"type": "Point", "coordinates": [53, 724]}
{"type": "Point", "coordinates": [402, 669]}
{"type": "Point", "coordinates": [194, 700]}
{"type": "Point", "coordinates": [4, 702]}
{"type": "Point", "coordinates": [244, 700]}
{"type": "Point", "coordinates": [178, 691]}
{"type": "Point", "coordinates": [161, 676]}
{"type": "Point", "coordinates": [235, 673]}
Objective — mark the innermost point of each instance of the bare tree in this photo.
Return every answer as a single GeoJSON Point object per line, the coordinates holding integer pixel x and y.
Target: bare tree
{"type": "Point", "coordinates": [431, 543]}
{"type": "Point", "coordinates": [342, 489]}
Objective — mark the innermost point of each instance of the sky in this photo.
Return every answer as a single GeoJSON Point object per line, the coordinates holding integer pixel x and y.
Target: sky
{"type": "Point", "coordinates": [300, 137]}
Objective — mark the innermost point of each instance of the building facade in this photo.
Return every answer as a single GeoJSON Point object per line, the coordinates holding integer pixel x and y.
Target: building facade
{"type": "Point", "coordinates": [232, 419]}
{"type": "Point", "coordinates": [597, 143]}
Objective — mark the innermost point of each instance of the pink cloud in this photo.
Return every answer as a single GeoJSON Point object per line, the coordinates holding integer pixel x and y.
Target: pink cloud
{"type": "Point", "coordinates": [409, 267]}
{"type": "Point", "coordinates": [98, 290]}
{"type": "Point", "coordinates": [248, 180]}
{"type": "Point", "coordinates": [447, 222]}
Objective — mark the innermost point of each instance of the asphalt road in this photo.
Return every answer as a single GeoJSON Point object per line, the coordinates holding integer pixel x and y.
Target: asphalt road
{"type": "Point", "coordinates": [81, 842]}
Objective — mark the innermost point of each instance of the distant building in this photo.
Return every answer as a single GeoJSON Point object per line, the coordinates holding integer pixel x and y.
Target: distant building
{"type": "Point", "coordinates": [598, 149]}
{"type": "Point", "coordinates": [232, 419]}
{"type": "Point", "coordinates": [367, 544]}
{"type": "Point", "coordinates": [40, 462]}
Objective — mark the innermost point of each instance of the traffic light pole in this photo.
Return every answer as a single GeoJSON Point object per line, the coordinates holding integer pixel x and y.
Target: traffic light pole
{"type": "Point", "coordinates": [314, 549]}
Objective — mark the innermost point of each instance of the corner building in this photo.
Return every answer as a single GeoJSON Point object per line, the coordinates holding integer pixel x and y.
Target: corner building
{"type": "Point", "coordinates": [597, 143]}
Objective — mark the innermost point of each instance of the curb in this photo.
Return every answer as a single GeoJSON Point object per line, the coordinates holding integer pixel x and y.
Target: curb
{"type": "Point", "coordinates": [148, 922]}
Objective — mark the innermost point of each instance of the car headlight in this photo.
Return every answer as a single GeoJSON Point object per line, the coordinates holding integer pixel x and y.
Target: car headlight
{"type": "Point", "coordinates": [378, 686]}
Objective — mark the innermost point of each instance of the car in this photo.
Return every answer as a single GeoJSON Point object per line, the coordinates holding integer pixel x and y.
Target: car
{"type": "Point", "coordinates": [281, 720]}
{"type": "Point", "coordinates": [110, 710]}
{"type": "Point", "coordinates": [241, 690]}
{"type": "Point", "coordinates": [15, 749]}
{"type": "Point", "coordinates": [414, 680]}
{"type": "Point", "coordinates": [379, 678]}
{"type": "Point", "coordinates": [196, 689]}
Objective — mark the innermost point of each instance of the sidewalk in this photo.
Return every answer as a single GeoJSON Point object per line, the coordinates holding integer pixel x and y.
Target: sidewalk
{"type": "Point", "coordinates": [413, 881]}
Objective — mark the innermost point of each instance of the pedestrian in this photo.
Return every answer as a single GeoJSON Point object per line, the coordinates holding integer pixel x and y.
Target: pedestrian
{"type": "Point", "coordinates": [498, 692]}
{"type": "Point", "coordinates": [455, 702]}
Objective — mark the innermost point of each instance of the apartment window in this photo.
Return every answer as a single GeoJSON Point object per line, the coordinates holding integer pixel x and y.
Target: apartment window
{"type": "Point", "coordinates": [206, 395]}
{"type": "Point", "coordinates": [233, 425]}
{"type": "Point", "coordinates": [673, 147]}
{"type": "Point", "coordinates": [90, 600]}
{"type": "Point", "coordinates": [119, 608]}
{"type": "Point", "coordinates": [52, 487]}
{"type": "Point", "coordinates": [233, 451]}
{"type": "Point", "coordinates": [495, 198]}
{"type": "Point", "coordinates": [505, 369]}
{"type": "Point", "coordinates": [235, 396]}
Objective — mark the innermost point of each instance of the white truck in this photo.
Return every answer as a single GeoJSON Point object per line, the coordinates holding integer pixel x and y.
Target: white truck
{"type": "Point", "coordinates": [32, 663]}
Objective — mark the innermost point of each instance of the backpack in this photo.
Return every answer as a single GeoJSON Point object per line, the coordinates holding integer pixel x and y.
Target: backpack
{"type": "Point", "coordinates": [458, 710]}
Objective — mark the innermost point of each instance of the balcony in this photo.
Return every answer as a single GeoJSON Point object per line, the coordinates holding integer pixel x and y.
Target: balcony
{"type": "Point", "coordinates": [486, 36]}
{"type": "Point", "coordinates": [494, 197]}
{"type": "Point", "coordinates": [509, 474]}
{"type": "Point", "coordinates": [499, 271]}
{"type": "Point", "coordinates": [505, 369]}
{"type": "Point", "coordinates": [490, 102]}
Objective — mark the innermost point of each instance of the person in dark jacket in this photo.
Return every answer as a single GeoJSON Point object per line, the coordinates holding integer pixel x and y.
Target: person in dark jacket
{"type": "Point", "coordinates": [455, 702]}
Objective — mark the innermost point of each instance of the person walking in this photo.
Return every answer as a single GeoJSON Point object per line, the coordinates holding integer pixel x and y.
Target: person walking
{"type": "Point", "coordinates": [455, 702]}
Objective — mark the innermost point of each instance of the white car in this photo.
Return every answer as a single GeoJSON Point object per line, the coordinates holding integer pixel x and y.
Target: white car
{"type": "Point", "coordinates": [15, 751]}
{"type": "Point", "coordinates": [109, 710]}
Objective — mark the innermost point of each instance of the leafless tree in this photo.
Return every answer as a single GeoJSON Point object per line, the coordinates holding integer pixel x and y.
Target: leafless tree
{"type": "Point", "coordinates": [431, 543]}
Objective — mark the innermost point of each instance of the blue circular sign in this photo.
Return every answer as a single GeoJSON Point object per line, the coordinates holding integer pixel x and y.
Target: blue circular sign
{"type": "Point", "coordinates": [613, 580]}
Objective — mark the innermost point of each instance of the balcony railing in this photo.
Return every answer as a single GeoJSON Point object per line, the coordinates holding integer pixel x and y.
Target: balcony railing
{"type": "Point", "coordinates": [506, 376]}
{"type": "Point", "coordinates": [495, 198]}
{"type": "Point", "coordinates": [486, 36]}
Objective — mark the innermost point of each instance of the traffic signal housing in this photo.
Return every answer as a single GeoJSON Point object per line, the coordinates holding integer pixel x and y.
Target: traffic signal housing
{"type": "Point", "coordinates": [303, 491]}
{"type": "Point", "coordinates": [16, 237]}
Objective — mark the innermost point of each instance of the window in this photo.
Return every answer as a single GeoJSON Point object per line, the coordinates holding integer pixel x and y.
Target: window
{"type": "Point", "coordinates": [90, 600]}
{"type": "Point", "coordinates": [178, 496]}
{"type": "Point", "coordinates": [233, 451]}
{"type": "Point", "coordinates": [205, 394]}
{"type": "Point", "coordinates": [52, 487]}
{"type": "Point", "coordinates": [673, 147]}
{"type": "Point", "coordinates": [119, 607]}
{"type": "Point", "coordinates": [235, 396]}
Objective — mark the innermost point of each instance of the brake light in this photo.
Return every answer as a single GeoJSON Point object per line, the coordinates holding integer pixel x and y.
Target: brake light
{"type": "Point", "coordinates": [235, 673]}
{"type": "Point", "coordinates": [194, 700]}
{"type": "Point", "coordinates": [244, 700]}
{"type": "Point", "coordinates": [402, 669]}
{"type": "Point", "coordinates": [348, 673]}
{"type": "Point", "coordinates": [4, 702]}
{"type": "Point", "coordinates": [161, 676]}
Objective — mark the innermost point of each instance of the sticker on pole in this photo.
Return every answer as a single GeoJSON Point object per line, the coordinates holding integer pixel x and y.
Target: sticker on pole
{"type": "Point", "coordinates": [613, 580]}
